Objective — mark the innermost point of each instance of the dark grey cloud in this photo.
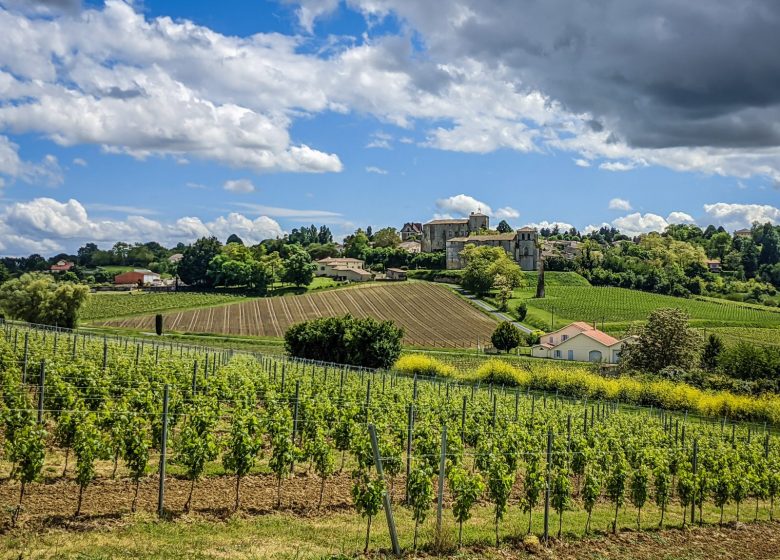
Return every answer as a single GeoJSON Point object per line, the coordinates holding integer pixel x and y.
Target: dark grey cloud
{"type": "Point", "coordinates": [661, 73]}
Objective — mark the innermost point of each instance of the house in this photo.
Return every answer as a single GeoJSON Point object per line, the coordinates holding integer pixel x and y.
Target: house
{"type": "Point", "coordinates": [567, 249]}
{"type": "Point", "coordinates": [175, 258]}
{"type": "Point", "coordinates": [743, 233]}
{"type": "Point", "coordinates": [713, 265]}
{"type": "Point", "coordinates": [343, 269]}
{"type": "Point", "coordinates": [395, 274]}
{"type": "Point", "coordinates": [436, 233]}
{"type": "Point", "coordinates": [580, 342]}
{"type": "Point", "coordinates": [413, 247]}
{"type": "Point", "coordinates": [520, 245]}
{"type": "Point", "coordinates": [410, 231]}
{"type": "Point", "coordinates": [62, 266]}
{"type": "Point", "coordinates": [137, 276]}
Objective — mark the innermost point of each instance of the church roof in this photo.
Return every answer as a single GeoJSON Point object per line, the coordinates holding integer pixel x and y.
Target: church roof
{"type": "Point", "coordinates": [450, 221]}
{"type": "Point", "coordinates": [494, 237]}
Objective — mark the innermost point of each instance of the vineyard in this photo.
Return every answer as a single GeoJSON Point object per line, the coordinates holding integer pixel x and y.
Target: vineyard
{"type": "Point", "coordinates": [108, 305]}
{"type": "Point", "coordinates": [431, 315]}
{"type": "Point", "coordinates": [618, 307]}
{"type": "Point", "coordinates": [92, 417]}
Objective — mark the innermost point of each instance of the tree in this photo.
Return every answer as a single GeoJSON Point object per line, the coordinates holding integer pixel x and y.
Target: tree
{"type": "Point", "coordinates": [710, 353]}
{"type": "Point", "coordinates": [386, 237]}
{"type": "Point", "coordinates": [420, 488]}
{"type": "Point", "coordinates": [521, 311]}
{"type": "Point", "coordinates": [540, 279]}
{"type": "Point", "coordinates": [37, 298]}
{"type": "Point", "coordinates": [85, 254]}
{"type": "Point", "coordinates": [506, 337]}
{"type": "Point", "coordinates": [504, 227]}
{"type": "Point", "coordinates": [346, 340]}
{"type": "Point", "coordinates": [503, 291]}
{"type": "Point", "coordinates": [194, 264]}
{"type": "Point", "coordinates": [466, 489]}
{"type": "Point", "coordinates": [298, 268]}
{"type": "Point", "coordinates": [484, 264]}
{"type": "Point", "coordinates": [233, 238]}
{"type": "Point", "coordinates": [356, 245]}
{"type": "Point", "coordinates": [158, 324]}
{"type": "Point", "coordinates": [720, 243]}
{"type": "Point", "coordinates": [666, 341]}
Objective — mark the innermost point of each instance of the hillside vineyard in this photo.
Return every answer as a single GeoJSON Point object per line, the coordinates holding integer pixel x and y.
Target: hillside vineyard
{"type": "Point", "coordinates": [133, 407]}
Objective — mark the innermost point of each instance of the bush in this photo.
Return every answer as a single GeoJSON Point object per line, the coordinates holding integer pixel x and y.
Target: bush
{"type": "Point", "coordinates": [521, 311]}
{"type": "Point", "coordinates": [346, 340]}
{"type": "Point", "coordinates": [501, 373]}
{"type": "Point", "coordinates": [506, 337]}
{"type": "Point", "coordinates": [419, 364]}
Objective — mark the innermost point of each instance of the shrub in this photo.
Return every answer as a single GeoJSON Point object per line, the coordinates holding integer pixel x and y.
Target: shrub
{"type": "Point", "coordinates": [346, 340]}
{"type": "Point", "coordinates": [501, 372]}
{"type": "Point", "coordinates": [419, 364]}
{"type": "Point", "coordinates": [506, 337]}
{"type": "Point", "coordinates": [521, 311]}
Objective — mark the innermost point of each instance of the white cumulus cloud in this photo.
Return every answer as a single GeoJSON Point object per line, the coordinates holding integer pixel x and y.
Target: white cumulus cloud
{"type": "Point", "coordinates": [737, 216]}
{"type": "Point", "coordinates": [619, 204]}
{"type": "Point", "coordinates": [239, 186]}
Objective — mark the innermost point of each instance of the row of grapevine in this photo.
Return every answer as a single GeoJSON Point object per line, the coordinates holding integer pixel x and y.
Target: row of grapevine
{"type": "Point", "coordinates": [110, 401]}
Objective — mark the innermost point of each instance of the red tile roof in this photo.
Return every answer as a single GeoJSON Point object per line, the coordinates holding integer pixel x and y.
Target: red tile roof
{"type": "Point", "coordinates": [601, 337]}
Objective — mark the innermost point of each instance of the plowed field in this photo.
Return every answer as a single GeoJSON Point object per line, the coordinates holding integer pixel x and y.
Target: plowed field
{"type": "Point", "coordinates": [431, 315]}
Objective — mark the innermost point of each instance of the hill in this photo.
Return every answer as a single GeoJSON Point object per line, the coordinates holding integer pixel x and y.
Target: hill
{"type": "Point", "coordinates": [430, 314]}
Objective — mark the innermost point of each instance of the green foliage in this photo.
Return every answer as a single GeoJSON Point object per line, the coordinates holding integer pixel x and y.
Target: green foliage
{"type": "Point", "coordinates": [591, 491]}
{"type": "Point", "coordinates": [243, 445]}
{"type": "Point", "coordinates": [499, 485]}
{"type": "Point", "coordinates": [88, 447]}
{"type": "Point", "coordinates": [37, 298]}
{"type": "Point", "coordinates": [421, 495]}
{"type": "Point", "coordinates": [665, 341]}
{"type": "Point", "coordinates": [640, 480]}
{"type": "Point", "coordinates": [506, 337]}
{"type": "Point", "coordinates": [466, 488]}
{"type": "Point", "coordinates": [521, 311]}
{"type": "Point", "coordinates": [108, 305]}
{"type": "Point", "coordinates": [484, 264]}
{"type": "Point", "coordinates": [709, 355]}
{"type": "Point", "coordinates": [194, 265]}
{"type": "Point", "coordinates": [346, 340]}
{"type": "Point", "coordinates": [298, 267]}
{"type": "Point", "coordinates": [504, 227]}
{"type": "Point", "coordinates": [616, 483]}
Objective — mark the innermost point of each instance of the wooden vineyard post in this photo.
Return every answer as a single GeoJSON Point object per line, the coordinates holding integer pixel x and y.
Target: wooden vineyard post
{"type": "Point", "coordinates": [517, 403]}
{"type": "Point", "coordinates": [547, 488]}
{"type": "Point", "coordinates": [385, 495]}
{"type": "Point", "coordinates": [368, 400]}
{"type": "Point", "coordinates": [105, 353]}
{"type": "Point", "coordinates": [194, 378]}
{"type": "Point", "coordinates": [409, 435]}
{"type": "Point", "coordinates": [695, 469]}
{"type": "Point", "coordinates": [41, 382]}
{"type": "Point", "coordinates": [163, 449]}
{"type": "Point", "coordinates": [440, 496]}
{"type": "Point", "coordinates": [24, 363]}
{"type": "Point", "coordinates": [463, 420]}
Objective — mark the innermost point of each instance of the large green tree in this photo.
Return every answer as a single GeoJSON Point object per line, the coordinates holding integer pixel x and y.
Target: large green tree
{"type": "Point", "coordinates": [298, 268]}
{"type": "Point", "coordinates": [194, 265]}
{"type": "Point", "coordinates": [37, 298]}
{"type": "Point", "coordinates": [484, 264]}
{"type": "Point", "coordinates": [667, 340]}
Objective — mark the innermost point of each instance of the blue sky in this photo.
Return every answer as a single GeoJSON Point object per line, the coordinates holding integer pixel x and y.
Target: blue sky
{"type": "Point", "coordinates": [171, 120]}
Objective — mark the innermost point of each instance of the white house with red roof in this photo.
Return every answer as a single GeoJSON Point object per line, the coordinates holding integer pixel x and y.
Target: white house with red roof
{"type": "Point", "coordinates": [580, 342]}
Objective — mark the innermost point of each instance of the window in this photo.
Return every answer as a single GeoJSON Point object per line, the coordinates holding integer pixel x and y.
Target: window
{"type": "Point", "coordinates": [551, 340]}
{"type": "Point", "coordinates": [557, 353]}
{"type": "Point", "coordinates": [564, 337]}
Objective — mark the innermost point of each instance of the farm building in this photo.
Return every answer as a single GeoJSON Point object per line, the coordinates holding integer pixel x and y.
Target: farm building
{"type": "Point", "coordinates": [580, 342]}
{"type": "Point", "coordinates": [343, 269]}
{"type": "Point", "coordinates": [713, 265]}
{"type": "Point", "coordinates": [62, 266]}
{"type": "Point", "coordinates": [395, 274]}
{"type": "Point", "coordinates": [137, 276]}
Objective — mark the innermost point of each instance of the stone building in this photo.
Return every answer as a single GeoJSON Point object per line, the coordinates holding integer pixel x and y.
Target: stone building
{"type": "Point", "coordinates": [520, 245]}
{"type": "Point", "coordinates": [411, 231]}
{"type": "Point", "coordinates": [436, 233]}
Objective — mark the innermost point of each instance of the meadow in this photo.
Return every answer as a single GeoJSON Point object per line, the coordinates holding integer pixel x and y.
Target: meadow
{"type": "Point", "coordinates": [106, 305]}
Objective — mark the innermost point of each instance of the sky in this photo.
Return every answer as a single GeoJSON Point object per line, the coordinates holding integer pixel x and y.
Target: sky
{"type": "Point", "coordinates": [168, 121]}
